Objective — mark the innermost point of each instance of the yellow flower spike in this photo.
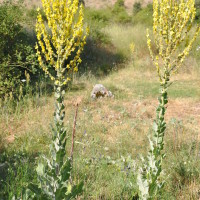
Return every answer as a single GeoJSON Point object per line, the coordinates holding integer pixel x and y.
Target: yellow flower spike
{"type": "Point", "coordinates": [52, 78]}
{"type": "Point", "coordinates": [68, 66]}
{"type": "Point", "coordinates": [172, 21]}
{"type": "Point", "coordinates": [57, 65]}
{"type": "Point", "coordinates": [56, 82]}
{"type": "Point", "coordinates": [75, 69]}
{"type": "Point", "coordinates": [65, 35]}
{"type": "Point", "coordinates": [36, 46]}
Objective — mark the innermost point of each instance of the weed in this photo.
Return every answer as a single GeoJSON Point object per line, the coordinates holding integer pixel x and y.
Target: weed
{"type": "Point", "coordinates": [167, 40]}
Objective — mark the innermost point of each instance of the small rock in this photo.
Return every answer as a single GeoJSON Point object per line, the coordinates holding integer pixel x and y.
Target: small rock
{"type": "Point", "coordinates": [100, 91]}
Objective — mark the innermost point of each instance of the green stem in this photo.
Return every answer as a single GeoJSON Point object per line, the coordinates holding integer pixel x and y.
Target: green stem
{"type": "Point", "coordinates": [59, 137]}
{"type": "Point", "coordinates": [160, 117]}
{"type": "Point", "coordinates": [159, 128]}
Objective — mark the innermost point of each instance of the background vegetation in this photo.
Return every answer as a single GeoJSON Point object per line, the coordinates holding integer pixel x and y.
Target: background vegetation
{"type": "Point", "coordinates": [111, 133]}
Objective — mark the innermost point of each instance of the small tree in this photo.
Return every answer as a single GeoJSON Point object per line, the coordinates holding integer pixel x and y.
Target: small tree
{"type": "Point", "coordinates": [172, 21]}
{"type": "Point", "coordinates": [16, 52]}
{"type": "Point", "coordinates": [119, 6]}
{"type": "Point", "coordinates": [137, 7]}
{"type": "Point", "coordinates": [59, 46]}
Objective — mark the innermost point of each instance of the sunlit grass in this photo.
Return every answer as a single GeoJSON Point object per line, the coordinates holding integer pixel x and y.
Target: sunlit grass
{"type": "Point", "coordinates": [122, 36]}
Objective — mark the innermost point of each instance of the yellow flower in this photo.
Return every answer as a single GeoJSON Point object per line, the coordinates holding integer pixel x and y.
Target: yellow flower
{"type": "Point", "coordinates": [132, 47]}
{"type": "Point", "coordinates": [64, 35]}
{"type": "Point", "coordinates": [172, 20]}
{"type": "Point", "coordinates": [56, 82]}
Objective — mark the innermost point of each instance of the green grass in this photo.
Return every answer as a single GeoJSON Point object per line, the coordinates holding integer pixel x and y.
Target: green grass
{"type": "Point", "coordinates": [123, 35]}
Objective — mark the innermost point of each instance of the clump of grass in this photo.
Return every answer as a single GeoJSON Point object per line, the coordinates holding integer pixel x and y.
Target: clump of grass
{"type": "Point", "coordinates": [16, 171]}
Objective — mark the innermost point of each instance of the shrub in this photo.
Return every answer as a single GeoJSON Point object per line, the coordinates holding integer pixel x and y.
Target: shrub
{"type": "Point", "coordinates": [10, 28]}
{"type": "Point", "coordinates": [137, 7]}
{"type": "Point", "coordinates": [32, 14]}
{"type": "Point", "coordinates": [97, 20]}
{"type": "Point", "coordinates": [13, 72]}
{"type": "Point", "coordinates": [144, 16]}
{"type": "Point", "coordinates": [120, 13]}
{"type": "Point", "coordinates": [123, 18]}
{"type": "Point", "coordinates": [102, 16]}
{"type": "Point", "coordinates": [16, 53]}
{"type": "Point", "coordinates": [197, 3]}
{"type": "Point", "coordinates": [119, 5]}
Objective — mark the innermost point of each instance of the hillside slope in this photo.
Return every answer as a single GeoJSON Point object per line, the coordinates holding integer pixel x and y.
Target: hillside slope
{"type": "Point", "coordinates": [93, 3]}
{"type": "Point", "coordinates": [104, 3]}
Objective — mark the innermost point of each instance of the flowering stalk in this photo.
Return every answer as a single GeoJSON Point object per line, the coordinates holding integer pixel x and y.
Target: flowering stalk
{"type": "Point", "coordinates": [60, 45]}
{"type": "Point", "coordinates": [172, 21]}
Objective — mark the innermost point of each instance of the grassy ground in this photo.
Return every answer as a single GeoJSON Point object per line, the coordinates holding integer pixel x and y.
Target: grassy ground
{"type": "Point", "coordinates": [111, 131]}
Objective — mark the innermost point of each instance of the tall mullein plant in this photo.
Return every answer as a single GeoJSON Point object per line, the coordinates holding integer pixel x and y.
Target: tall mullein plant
{"type": "Point", "coordinates": [60, 43]}
{"type": "Point", "coordinates": [172, 22]}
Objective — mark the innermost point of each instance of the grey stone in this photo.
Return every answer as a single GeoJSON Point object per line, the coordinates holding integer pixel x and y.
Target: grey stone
{"type": "Point", "coordinates": [100, 91]}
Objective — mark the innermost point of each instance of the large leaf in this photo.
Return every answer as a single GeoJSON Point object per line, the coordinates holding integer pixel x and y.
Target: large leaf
{"type": "Point", "coordinates": [35, 189]}
{"type": "Point", "coordinates": [143, 185]}
{"type": "Point", "coordinates": [65, 170]}
{"type": "Point", "coordinates": [60, 193]}
{"type": "Point", "coordinates": [40, 169]}
{"type": "Point", "coordinates": [75, 191]}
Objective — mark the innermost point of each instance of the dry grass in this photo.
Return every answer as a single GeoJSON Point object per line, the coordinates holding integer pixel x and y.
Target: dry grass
{"type": "Point", "coordinates": [128, 104]}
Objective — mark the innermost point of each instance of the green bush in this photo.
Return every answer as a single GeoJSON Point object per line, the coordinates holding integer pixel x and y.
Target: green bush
{"type": "Point", "coordinates": [144, 16]}
{"type": "Point", "coordinates": [10, 28]}
{"type": "Point", "coordinates": [120, 14]}
{"type": "Point", "coordinates": [16, 50]}
{"type": "Point", "coordinates": [137, 7]}
{"type": "Point", "coordinates": [123, 18]}
{"type": "Point", "coordinates": [15, 72]}
{"type": "Point", "coordinates": [197, 10]}
{"type": "Point", "coordinates": [119, 6]}
{"type": "Point", "coordinates": [32, 14]}
{"type": "Point", "coordinates": [102, 16]}
{"type": "Point", "coordinates": [97, 20]}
